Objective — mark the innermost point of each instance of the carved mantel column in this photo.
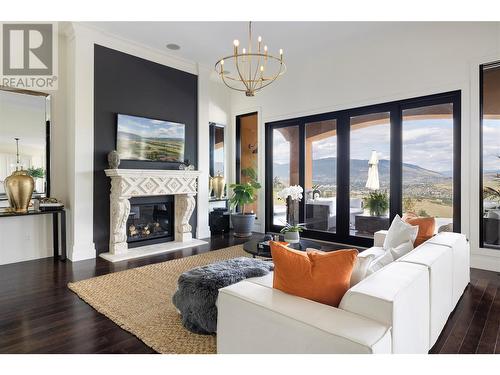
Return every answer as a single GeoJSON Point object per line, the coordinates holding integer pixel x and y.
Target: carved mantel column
{"type": "Point", "coordinates": [119, 212]}
{"type": "Point", "coordinates": [184, 207]}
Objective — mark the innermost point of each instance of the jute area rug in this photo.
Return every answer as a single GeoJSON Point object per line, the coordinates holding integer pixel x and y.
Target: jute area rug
{"type": "Point", "coordinates": [139, 300]}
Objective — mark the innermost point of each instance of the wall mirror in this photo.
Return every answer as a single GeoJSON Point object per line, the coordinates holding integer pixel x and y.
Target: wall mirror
{"type": "Point", "coordinates": [217, 151]}
{"type": "Point", "coordinates": [25, 115]}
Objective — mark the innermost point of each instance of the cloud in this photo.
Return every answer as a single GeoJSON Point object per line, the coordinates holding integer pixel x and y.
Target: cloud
{"type": "Point", "coordinates": [426, 143]}
{"type": "Point", "coordinates": [491, 144]}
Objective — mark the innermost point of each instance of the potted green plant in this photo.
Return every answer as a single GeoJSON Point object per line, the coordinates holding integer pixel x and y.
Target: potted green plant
{"type": "Point", "coordinates": [36, 172]}
{"type": "Point", "coordinates": [243, 194]}
{"type": "Point", "coordinates": [377, 202]}
{"type": "Point", "coordinates": [292, 232]}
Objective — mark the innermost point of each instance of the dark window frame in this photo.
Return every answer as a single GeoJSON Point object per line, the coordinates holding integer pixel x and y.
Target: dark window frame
{"type": "Point", "coordinates": [342, 118]}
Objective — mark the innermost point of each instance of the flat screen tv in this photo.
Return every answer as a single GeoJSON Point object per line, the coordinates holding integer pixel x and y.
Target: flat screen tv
{"type": "Point", "coordinates": [140, 138]}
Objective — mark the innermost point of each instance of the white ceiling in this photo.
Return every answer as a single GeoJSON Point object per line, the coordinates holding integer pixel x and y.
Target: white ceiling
{"type": "Point", "coordinates": [206, 42]}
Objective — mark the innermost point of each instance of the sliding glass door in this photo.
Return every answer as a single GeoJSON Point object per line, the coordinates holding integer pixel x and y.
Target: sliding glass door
{"type": "Point", "coordinates": [285, 167]}
{"type": "Point", "coordinates": [428, 159]}
{"type": "Point", "coordinates": [320, 180]}
{"type": "Point", "coordinates": [370, 173]}
{"type": "Point", "coordinates": [360, 167]}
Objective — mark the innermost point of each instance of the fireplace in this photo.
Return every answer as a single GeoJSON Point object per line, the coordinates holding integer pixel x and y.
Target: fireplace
{"type": "Point", "coordinates": [150, 221]}
{"type": "Point", "coordinates": [172, 192]}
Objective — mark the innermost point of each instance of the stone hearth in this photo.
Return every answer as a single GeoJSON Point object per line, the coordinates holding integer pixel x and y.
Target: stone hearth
{"type": "Point", "coordinates": [128, 183]}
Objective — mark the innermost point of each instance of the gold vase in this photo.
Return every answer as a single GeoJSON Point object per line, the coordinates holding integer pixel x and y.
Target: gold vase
{"type": "Point", "coordinates": [19, 189]}
{"type": "Point", "coordinates": [218, 184]}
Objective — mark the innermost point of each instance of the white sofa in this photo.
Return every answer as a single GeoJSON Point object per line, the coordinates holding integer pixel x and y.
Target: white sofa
{"type": "Point", "coordinates": [402, 308]}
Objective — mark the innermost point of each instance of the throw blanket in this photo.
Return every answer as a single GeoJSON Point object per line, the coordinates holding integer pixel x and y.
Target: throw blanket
{"type": "Point", "coordinates": [198, 290]}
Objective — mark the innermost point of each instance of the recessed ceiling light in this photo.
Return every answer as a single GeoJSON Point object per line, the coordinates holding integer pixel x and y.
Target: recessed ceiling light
{"type": "Point", "coordinates": [173, 46]}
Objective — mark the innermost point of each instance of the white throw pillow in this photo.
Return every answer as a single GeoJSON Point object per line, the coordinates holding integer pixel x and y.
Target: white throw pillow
{"type": "Point", "coordinates": [400, 232]}
{"type": "Point", "coordinates": [361, 268]}
{"type": "Point", "coordinates": [403, 249]}
{"type": "Point", "coordinates": [380, 262]}
{"type": "Point", "coordinates": [375, 251]}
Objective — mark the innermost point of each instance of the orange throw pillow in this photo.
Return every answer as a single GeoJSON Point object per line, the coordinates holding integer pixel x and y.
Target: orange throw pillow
{"type": "Point", "coordinates": [316, 275]}
{"type": "Point", "coordinates": [426, 227]}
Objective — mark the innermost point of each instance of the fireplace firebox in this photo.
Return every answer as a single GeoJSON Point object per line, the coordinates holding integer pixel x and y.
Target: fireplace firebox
{"type": "Point", "coordinates": [151, 220]}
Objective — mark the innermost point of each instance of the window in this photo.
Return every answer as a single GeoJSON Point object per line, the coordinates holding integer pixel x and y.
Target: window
{"type": "Point", "coordinates": [490, 158]}
{"type": "Point", "coordinates": [320, 182]}
{"type": "Point", "coordinates": [428, 162]}
{"type": "Point", "coordinates": [285, 167]}
{"type": "Point", "coordinates": [369, 171]}
{"type": "Point", "coordinates": [360, 167]}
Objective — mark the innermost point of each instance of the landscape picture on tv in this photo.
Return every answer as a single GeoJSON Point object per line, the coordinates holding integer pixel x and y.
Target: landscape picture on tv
{"type": "Point", "coordinates": [140, 138]}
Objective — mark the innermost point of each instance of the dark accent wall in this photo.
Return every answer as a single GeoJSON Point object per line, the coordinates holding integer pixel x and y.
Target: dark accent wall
{"type": "Point", "coordinates": [130, 85]}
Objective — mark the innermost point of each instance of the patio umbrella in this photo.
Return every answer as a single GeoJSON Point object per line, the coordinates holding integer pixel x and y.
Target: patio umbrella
{"type": "Point", "coordinates": [373, 183]}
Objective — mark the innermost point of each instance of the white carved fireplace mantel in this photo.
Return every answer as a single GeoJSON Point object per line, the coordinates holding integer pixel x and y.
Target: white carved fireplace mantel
{"type": "Point", "coordinates": [128, 183]}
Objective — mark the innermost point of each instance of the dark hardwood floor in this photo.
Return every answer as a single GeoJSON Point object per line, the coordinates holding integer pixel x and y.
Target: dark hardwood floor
{"type": "Point", "coordinates": [39, 314]}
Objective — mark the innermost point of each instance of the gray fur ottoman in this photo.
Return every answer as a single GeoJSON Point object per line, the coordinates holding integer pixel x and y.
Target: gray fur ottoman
{"type": "Point", "coordinates": [198, 290]}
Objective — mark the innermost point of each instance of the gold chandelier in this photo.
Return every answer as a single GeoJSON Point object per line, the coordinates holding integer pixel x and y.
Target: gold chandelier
{"type": "Point", "coordinates": [248, 71]}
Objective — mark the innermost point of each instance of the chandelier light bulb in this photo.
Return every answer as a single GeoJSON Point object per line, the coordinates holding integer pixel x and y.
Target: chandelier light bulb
{"type": "Point", "coordinates": [236, 42]}
{"type": "Point", "coordinates": [262, 68]}
{"type": "Point", "coordinates": [281, 51]}
{"type": "Point", "coordinates": [244, 51]}
{"type": "Point", "coordinates": [265, 49]}
{"type": "Point", "coordinates": [259, 39]}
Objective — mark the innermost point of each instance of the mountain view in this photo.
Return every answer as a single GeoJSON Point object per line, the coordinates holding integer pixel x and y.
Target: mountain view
{"type": "Point", "coordinates": [426, 192]}
{"type": "Point", "coordinates": [325, 170]}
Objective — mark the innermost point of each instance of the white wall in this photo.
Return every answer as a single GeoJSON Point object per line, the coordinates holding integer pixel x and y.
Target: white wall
{"type": "Point", "coordinates": [213, 106]}
{"type": "Point", "coordinates": [407, 60]}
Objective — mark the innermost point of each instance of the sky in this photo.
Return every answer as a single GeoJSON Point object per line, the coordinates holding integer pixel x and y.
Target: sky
{"type": "Point", "coordinates": [150, 128]}
{"type": "Point", "coordinates": [426, 143]}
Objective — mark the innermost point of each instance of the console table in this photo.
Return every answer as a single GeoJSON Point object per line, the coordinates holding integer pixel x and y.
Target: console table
{"type": "Point", "coordinates": [55, 227]}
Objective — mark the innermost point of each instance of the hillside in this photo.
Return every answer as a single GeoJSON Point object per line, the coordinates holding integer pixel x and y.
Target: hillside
{"type": "Point", "coordinates": [325, 169]}
{"type": "Point", "coordinates": [135, 137]}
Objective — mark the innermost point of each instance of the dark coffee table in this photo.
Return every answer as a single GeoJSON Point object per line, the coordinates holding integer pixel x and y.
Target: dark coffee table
{"type": "Point", "coordinates": [252, 247]}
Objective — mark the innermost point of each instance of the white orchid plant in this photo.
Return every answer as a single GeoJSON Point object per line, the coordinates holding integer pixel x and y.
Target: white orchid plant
{"type": "Point", "coordinates": [294, 192]}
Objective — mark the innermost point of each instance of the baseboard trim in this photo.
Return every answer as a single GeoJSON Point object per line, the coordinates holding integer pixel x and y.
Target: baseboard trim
{"type": "Point", "coordinates": [144, 251]}
{"type": "Point", "coordinates": [82, 252]}
{"type": "Point", "coordinates": [485, 262]}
